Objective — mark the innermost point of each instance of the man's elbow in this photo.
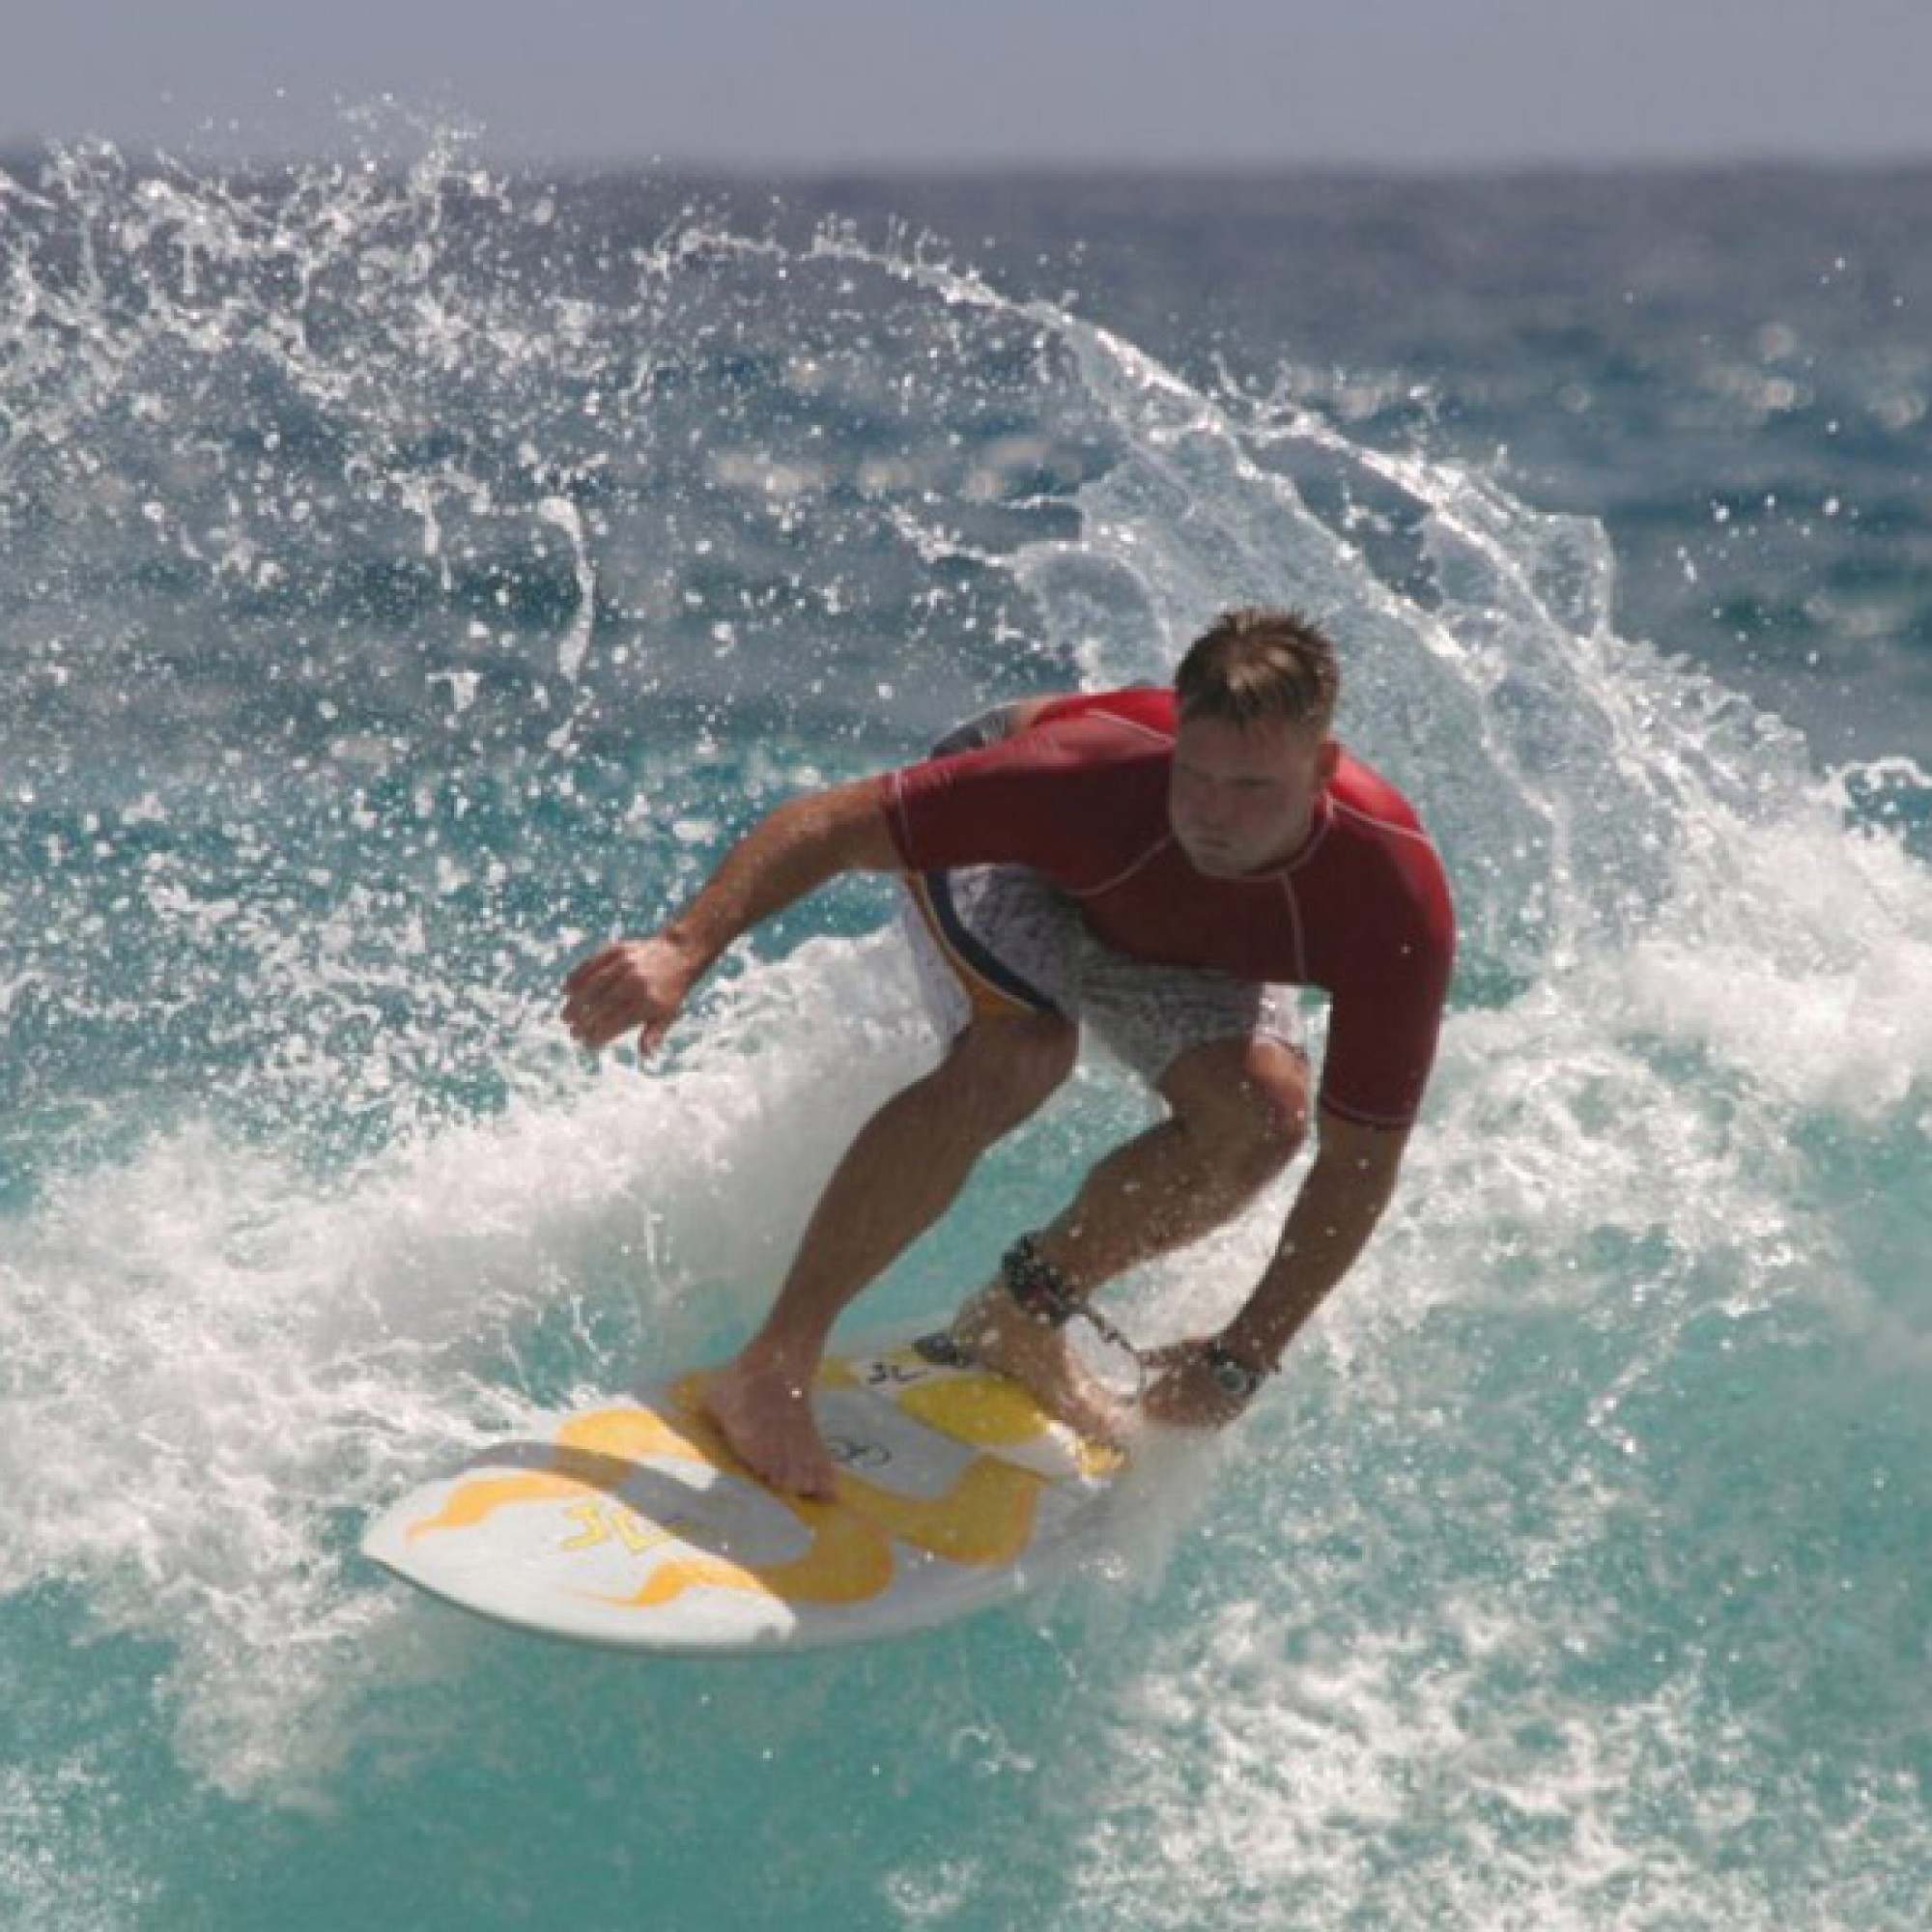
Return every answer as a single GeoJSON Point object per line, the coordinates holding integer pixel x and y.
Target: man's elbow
{"type": "Point", "coordinates": [851, 819]}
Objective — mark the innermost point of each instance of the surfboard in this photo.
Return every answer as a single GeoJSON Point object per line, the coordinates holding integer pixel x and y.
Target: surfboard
{"type": "Point", "coordinates": [631, 1523]}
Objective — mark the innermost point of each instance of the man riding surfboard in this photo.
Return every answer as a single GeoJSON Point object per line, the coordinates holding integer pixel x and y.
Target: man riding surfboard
{"type": "Point", "coordinates": [1164, 867]}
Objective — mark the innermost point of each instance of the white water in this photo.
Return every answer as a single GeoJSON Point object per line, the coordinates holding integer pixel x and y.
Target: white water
{"type": "Point", "coordinates": [1576, 1573]}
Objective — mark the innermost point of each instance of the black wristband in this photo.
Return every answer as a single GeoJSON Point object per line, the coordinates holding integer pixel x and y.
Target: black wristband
{"type": "Point", "coordinates": [1231, 1374]}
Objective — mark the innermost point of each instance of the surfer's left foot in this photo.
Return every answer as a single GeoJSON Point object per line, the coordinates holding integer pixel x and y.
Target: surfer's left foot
{"type": "Point", "coordinates": [995, 1331]}
{"type": "Point", "coordinates": [764, 1413]}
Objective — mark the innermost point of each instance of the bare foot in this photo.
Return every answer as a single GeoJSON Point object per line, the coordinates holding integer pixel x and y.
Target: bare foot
{"type": "Point", "coordinates": [765, 1414]}
{"type": "Point", "coordinates": [1000, 1335]}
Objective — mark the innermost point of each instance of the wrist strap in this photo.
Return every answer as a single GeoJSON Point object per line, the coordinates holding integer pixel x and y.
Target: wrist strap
{"type": "Point", "coordinates": [1238, 1378]}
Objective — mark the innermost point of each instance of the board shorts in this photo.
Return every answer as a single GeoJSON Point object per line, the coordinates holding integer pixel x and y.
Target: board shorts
{"type": "Point", "coordinates": [993, 942]}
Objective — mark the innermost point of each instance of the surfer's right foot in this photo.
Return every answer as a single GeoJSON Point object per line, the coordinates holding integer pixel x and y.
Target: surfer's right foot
{"type": "Point", "coordinates": [996, 1332]}
{"type": "Point", "coordinates": [764, 1413]}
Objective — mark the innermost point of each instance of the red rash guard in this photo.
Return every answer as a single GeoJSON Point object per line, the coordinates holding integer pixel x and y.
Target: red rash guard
{"type": "Point", "coordinates": [1361, 910]}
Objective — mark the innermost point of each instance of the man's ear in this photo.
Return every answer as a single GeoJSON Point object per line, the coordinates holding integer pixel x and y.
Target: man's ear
{"type": "Point", "coordinates": [1328, 759]}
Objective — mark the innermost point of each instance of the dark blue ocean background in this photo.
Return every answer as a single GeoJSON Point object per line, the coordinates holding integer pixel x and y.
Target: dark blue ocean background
{"type": "Point", "coordinates": [409, 576]}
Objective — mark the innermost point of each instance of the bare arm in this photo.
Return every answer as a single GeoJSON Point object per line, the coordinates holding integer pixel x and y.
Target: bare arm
{"type": "Point", "coordinates": [790, 852]}
{"type": "Point", "coordinates": [1340, 1200]}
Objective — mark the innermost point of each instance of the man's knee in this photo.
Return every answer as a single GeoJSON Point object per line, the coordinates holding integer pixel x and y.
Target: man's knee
{"type": "Point", "coordinates": [1005, 1069]}
{"type": "Point", "coordinates": [1246, 1102]}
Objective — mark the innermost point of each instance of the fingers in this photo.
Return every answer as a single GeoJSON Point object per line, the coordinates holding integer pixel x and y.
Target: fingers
{"type": "Point", "coordinates": [586, 993]}
{"type": "Point", "coordinates": [608, 994]}
{"type": "Point", "coordinates": [588, 969]}
{"type": "Point", "coordinates": [609, 967]}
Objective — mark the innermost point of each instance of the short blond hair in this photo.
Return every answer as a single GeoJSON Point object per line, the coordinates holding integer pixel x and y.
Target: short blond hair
{"type": "Point", "coordinates": [1254, 664]}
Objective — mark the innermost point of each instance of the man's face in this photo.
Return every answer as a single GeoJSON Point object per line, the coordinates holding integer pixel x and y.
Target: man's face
{"type": "Point", "coordinates": [1241, 796]}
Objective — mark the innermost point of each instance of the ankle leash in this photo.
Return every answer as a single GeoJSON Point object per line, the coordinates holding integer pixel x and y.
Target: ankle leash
{"type": "Point", "coordinates": [1038, 1286]}
{"type": "Point", "coordinates": [1043, 1295]}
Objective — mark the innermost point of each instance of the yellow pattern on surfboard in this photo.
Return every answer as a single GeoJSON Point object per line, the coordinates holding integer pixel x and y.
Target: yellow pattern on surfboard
{"type": "Point", "coordinates": [988, 1411]}
{"type": "Point", "coordinates": [986, 1518]}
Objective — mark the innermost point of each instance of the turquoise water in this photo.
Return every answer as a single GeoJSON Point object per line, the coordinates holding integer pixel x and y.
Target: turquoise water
{"type": "Point", "coordinates": [410, 578]}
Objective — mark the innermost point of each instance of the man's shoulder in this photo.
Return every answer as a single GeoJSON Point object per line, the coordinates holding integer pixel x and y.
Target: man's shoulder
{"type": "Point", "coordinates": [1139, 713]}
{"type": "Point", "coordinates": [1375, 837]}
{"type": "Point", "coordinates": [1371, 806]}
{"type": "Point", "coordinates": [1080, 783]}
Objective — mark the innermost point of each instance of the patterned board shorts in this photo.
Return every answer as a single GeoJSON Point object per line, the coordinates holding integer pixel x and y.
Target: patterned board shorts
{"type": "Point", "coordinates": [1001, 941]}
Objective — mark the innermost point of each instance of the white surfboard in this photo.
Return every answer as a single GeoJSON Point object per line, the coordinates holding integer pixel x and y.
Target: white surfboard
{"type": "Point", "coordinates": [633, 1524]}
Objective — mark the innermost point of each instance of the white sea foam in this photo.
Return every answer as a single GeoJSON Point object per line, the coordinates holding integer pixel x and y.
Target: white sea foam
{"type": "Point", "coordinates": [1582, 1539]}
{"type": "Point", "coordinates": [1714, 960]}
{"type": "Point", "coordinates": [212, 1368]}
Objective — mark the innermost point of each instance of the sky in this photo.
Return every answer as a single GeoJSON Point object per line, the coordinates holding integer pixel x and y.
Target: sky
{"type": "Point", "coordinates": [769, 86]}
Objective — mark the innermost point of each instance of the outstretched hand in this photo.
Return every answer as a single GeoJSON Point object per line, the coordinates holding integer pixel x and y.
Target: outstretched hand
{"type": "Point", "coordinates": [631, 983]}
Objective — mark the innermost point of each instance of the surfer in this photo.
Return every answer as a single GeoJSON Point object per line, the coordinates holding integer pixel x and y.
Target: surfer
{"type": "Point", "coordinates": [1165, 867]}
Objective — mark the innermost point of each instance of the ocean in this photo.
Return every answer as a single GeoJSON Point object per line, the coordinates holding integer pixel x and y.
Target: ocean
{"type": "Point", "coordinates": [413, 575]}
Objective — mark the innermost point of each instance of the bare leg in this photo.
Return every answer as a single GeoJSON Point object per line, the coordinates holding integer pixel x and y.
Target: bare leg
{"type": "Point", "coordinates": [1240, 1110]}
{"type": "Point", "coordinates": [901, 1173]}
